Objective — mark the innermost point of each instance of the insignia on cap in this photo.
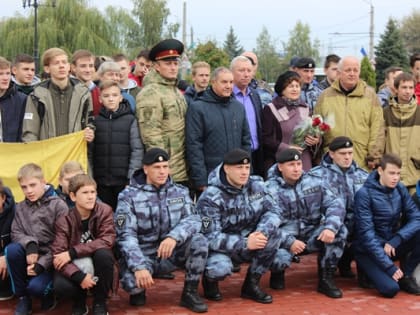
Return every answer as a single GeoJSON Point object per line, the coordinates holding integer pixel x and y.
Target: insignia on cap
{"type": "Point", "coordinates": [347, 144]}
{"type": "Point", "coordinates": [296, 157]}
{"type": "Point", "coordinates": [245, 161]}
{"type": "Point", "coordinates": [160, 158]}
{"type": "Point", "coordinates": [309, 65]}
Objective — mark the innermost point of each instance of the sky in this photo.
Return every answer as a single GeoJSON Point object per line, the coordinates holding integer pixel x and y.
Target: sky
{"type": "Point", "coordinates": [342, 27]}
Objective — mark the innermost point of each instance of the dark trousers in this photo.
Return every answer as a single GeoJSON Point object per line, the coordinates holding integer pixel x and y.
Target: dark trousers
{"type": "Point", "coordinates": [22, 284]}
{"type": "Point", "coordinates": [109, 194]}
{"type": "Point", "coordinates": [408, 252]}
{"type": "Point", "coordinates": [103, 262]}
{"type": "Point", "coordinates": [5, 286]}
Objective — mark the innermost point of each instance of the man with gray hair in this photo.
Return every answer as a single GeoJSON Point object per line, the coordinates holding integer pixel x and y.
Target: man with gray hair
{"type": "Point", "coordinates": [242, 70]}
{"type": "Point", "coordinates": [215, 124]}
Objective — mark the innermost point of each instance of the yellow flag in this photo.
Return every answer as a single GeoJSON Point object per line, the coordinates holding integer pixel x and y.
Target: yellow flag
{"type": "Point", "coordinates": [50, 154]}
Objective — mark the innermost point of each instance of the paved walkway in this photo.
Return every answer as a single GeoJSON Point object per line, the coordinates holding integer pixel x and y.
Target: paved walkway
{"type": "Point", "coordinates": [299, 298]}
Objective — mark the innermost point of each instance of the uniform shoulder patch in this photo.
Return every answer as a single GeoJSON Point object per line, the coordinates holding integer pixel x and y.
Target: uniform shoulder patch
{"type": "Point", "coordinates": [206, 223]}
{"type": "Point", "coordinates": [176, 200]}
{"type": "Point", "coordinates": [121, 218]}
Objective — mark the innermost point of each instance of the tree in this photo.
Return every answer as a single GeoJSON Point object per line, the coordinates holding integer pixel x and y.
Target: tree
{"type": "Point", "coordinates": [71, 25]}
{"type": "Point", "coordinates": [210, 53]}
{"type": "Point", "coordinates": [367, 73]}
{"type": "Point", "coordinates": [410, 26]}
{"type": "Point", "coordinates": [390, 51]}
{"type": "Point", "coordinates": [152, 16]}
{"type": "Point", "coordinates": [300, 45]}
{"type": "Point", "coordinates": [231, 45]}
{"type": "Point", "coordinates": [268, 59]}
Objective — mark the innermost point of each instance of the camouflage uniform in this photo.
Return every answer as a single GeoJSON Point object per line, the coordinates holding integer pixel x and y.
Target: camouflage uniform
{"type": "Point", "coordinates": [309, 94]}
{"type": "Point", "coordinates": [306, 210]}
{"type": "Point", "coordinates": [229, 215]}
{"type": "Point", "coordinates": [144, 217]}
{"type": "Point", "coordinates": [343, 184]}
{"type": "Point", "coordinates": [160, 111]}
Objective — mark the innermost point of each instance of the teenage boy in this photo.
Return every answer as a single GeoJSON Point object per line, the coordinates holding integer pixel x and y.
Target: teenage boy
{"type": "Point", "coordinates": [59, 105]}
{"type": "Point", "coordinates": [387, 228]}
{"type": "Point", "coordinates": [117, 150]}
{"type": "Point", "coordinates": [29, 257]}
{"type": "Point", "coordinates": [23, 70]}
{"type": "Point", "coordinates": [7, 212]}
{"type": "Point", "coordinates": [83, 248]}
{"type": "Point", "coordinates": [67, 171]}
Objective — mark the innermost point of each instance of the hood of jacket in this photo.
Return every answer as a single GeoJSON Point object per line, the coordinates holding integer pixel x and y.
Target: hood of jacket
{"type": "Point", "coordinates": [401, 110]}
{"type": "Point", "coordinates": [49, 192]}
{"type": "Point", "coordinates": [138, 180]}
{"type": "Point", "coordinates": [327, 162]}
{"type": "Point", "coordinates": [358, 90]}
{"type": "Point", "coordinates": [123, 109]}
{"type": "Point", "coordinates": [217, 178]}
{"type": "Point", "coordinates": [372, 182]}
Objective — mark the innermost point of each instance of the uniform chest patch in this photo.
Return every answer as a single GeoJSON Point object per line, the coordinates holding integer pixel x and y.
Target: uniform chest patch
{"type": "Point", "coordinates": [206, 223]}
{"type": "Point", "coordinates": [311, 190]}
{"type": "Point", "coordinates": [175, 201]}
{"type": "Point", "coordinates": [256, 196]}
{"type": "Point", "coordinates": [121, 218]}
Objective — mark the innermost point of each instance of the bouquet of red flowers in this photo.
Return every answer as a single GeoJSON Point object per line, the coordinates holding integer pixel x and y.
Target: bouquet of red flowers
{"type": "Point", "coordinates": [312, 126]}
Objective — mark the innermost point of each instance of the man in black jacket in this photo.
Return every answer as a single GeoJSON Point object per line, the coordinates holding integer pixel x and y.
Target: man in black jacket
{"type": "Point", "coordinates": [215, 124]}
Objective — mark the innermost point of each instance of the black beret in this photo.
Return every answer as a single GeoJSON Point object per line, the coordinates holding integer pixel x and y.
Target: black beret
{"type": "Point", "coordinates": [155, 155]}
{"type": "Point", "coordinates": [304, 63]}
{"type": "Point", "coordinates": [288, 155]}
{"type": "Point", "coordinates": [340, 143]}
{"type": "Point", "coordinates": [283, 79]}
{"type": "Point", "coordinates": [168, 49]}
{"type": "Point", "coordinates": [237, 156]}
{"type": "Point", "coordinates": [293, 61]}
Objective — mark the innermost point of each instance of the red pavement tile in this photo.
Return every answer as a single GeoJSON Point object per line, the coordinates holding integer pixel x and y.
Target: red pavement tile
{"type": "Point", "coordinates": [299, 298]}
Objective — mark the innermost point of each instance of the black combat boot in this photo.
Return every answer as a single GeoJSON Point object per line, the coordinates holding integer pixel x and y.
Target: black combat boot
{"type": "Point", "coordinates": [190, 298]}
{"type": "Point", "coordinates": [211, 289]}
{"type": "Point", "coordinates": [326, 283]}
{"type": "Point", "coordinates": [344, 264]}
{"type": "Point", "coordinates": [251, 289]}
{"type": "Point", "coordinates": [277, 280]}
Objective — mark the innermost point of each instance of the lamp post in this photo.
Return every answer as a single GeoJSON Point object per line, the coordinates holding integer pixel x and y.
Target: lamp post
{"type": "Point", "coordinates": [35, 4]}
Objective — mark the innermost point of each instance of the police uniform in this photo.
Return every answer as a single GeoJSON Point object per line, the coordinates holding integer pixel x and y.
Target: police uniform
{"type": "Point", "coordinates": [306, 209]}
{"type": "Point", "coordinates": [161, 110]}
{"type": "Point", "coordinates": [145, 216]}
{"type": "Point", "coordinates": [343, 183]}
{"type": "Point", "coordinates": [229, 215]}
{"type": "Point", "coordinates": [310, 92]}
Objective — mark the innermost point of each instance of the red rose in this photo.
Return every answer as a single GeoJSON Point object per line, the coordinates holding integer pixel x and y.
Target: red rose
{"type": "Point", "coordinates": [324, 127]}
{"type": "Point", "coordinates": [316, 121]}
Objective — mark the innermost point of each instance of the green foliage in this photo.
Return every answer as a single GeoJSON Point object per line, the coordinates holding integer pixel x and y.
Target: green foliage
{"type": "Point", "coordinates": [212, 54]}
{"type": "Point", "coordinates": [299, 44]}
{"type": "Point", "coordinates": [152, 16]}
{"type": "Point", "coordinates": [410, 26]}
{"type": "Point", "coordinates": [367, 73]}
{"type": "Point", "coordinates": [269, 66]}
{"type": "Point", "coordinates": [390, 51]}
{"type": "Point", "coordinates": [231, 45]}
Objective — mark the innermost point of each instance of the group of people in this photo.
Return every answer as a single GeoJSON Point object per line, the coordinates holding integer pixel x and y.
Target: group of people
{"type": "Point", "coordinates": [207, 178]}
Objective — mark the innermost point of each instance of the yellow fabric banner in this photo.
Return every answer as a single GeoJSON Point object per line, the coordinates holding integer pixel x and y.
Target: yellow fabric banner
{"type": "Point", "coordinates": [50, 154]}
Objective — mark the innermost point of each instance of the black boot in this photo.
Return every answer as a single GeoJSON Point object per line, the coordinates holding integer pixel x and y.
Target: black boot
{"type": "Point", "coordinates": [211, 289]}
{"type": "Point", "coordinates": [326, 284]}
{"type": "Point", "coordinates": [277, 280]}
{"type": "Point", "coordinates": [251, 289]}
{"type": "Point", "coordinates": [190, 298]}
{"type": "Point", "coordinates": [344, 264]}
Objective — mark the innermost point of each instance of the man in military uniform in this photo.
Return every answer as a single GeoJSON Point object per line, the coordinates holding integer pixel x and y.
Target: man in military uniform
{"type": "Point", "coordinates": [161, 107]}
{"type": "Point", "coordinates": [155, 223]}
{"type": "Point", "coordinates": [345, 178]}
{"type": "Point", "coordinates": [239, 228]}
{"type": "Point", "coordinates": [311, 215]}
{"type": "Point", "coordinates": [310, 92]}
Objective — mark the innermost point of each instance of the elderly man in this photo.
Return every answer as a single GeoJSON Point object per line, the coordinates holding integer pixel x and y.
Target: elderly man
{"type": "Point", "coordinates": [155, 223]}
{"type": "Point", "coordinates": [353, 110]}
{"type": "Point", "coordinates": [161, 107]}
{"type": "Point", "coordinates": [215, 124]}
{"type": "Point", "coordinates": [242, 71]}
